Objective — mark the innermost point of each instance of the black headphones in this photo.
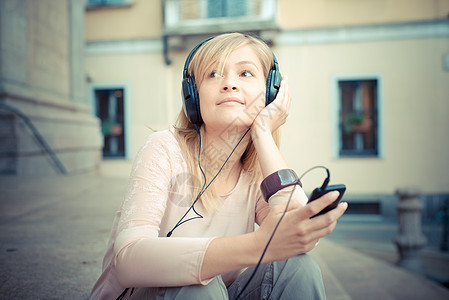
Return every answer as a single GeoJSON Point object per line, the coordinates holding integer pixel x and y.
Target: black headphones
{"type": "Point", "coordinates": [191, 100]}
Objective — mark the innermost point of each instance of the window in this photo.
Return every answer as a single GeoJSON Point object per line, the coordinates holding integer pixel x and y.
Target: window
{"type": "Point", "coordinates": [205, 16]}
{"type": "Point", "coordinates": [358, 117]}
{"type": "Point", "coordinates": [110, 109]}
{"type": "Point", "coordinates": [107, 2]}
{"type": "Point", "coordinates": [209, 9]}
{"type": "Point", "coordinates": [226, 8]}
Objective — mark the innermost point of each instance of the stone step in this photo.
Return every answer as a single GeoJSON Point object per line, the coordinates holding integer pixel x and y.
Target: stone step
{"type": "Point", "coordinates": [334, 289]}
{"type": "Point", "coordinates": [349, 274]}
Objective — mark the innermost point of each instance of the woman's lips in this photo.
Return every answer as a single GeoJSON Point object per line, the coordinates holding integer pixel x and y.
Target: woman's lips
{"type": "Point", "coordinates": [230, 101]}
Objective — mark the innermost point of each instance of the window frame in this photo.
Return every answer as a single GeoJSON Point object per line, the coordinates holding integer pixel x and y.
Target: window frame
{"type": "Point", "coordinates": [126, 87]}
{"type": "Point", "coordinates": [335, 116]}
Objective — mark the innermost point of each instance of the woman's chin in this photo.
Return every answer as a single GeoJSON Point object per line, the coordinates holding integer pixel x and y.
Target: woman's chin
{"type": "Point", "coordinates": [230, 123]}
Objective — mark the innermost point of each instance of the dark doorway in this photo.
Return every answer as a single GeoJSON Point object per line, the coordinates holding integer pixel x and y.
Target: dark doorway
{"type": "Point", "coordinates": [110, 109]}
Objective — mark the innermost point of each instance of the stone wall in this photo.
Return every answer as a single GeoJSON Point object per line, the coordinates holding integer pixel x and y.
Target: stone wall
{"type": "Point", "coordinates": [42, 77]}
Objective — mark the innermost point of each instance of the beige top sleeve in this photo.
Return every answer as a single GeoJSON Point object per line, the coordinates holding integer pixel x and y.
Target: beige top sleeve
{"type": "Point", "coordinates": [142, 257]}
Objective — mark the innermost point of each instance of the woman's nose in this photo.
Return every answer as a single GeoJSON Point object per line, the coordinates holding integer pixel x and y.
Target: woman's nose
{"type": "Point", "coordinates": [229, 84]}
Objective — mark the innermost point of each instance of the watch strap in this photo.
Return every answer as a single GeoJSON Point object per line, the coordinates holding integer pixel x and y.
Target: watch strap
{"type": "Point", "coordinates": [277, 181]}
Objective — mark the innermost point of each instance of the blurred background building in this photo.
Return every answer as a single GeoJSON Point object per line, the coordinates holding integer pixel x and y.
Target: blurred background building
{"type": "Point", "coordinates": [369, 81]}
{"type": "Point", "coordinates": [46, 124]}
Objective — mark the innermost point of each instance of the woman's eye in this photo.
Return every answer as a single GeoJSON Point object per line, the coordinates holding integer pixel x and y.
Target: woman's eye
{"type": "Point", "coordinates": [214, 74]}
{"type": "Point", "coordinates": [246, 74]}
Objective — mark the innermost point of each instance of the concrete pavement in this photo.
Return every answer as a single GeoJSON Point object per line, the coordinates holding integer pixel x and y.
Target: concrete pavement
{"type": "Point", "coordinates": [54, 230]}
{"type": "Point", "coordinates": [53, 233]}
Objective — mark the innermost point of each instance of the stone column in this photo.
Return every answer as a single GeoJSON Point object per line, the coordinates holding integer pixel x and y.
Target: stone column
{"type": "Point", "coordinates": [410, 239]}
{"type": "Point", "coordinates": [42, 76]}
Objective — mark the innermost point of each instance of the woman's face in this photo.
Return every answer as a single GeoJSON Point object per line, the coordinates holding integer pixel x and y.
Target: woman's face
{"type": "Point", "coordinates": [231, 98]}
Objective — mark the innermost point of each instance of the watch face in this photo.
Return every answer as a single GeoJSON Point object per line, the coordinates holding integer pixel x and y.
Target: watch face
{"type": "Point", "coordinates": [287, 176]}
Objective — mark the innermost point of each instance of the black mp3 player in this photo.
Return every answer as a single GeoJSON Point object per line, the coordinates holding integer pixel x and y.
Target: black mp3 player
{"type": "Point", "coordinates": [319, 191]}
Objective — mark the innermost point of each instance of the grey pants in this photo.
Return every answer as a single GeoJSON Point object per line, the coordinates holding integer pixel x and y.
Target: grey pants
{"type": "Point", "coordinates": [296, 278]}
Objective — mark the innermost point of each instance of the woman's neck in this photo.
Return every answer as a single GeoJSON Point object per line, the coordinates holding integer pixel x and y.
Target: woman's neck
{"type": "Point", "coordinates": [217, 146]}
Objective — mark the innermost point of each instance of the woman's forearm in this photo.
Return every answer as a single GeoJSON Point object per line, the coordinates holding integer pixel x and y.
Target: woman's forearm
{"type": "Point", "coordinates": [270, 157]}
{"type": "Point", "coordinates": [271, 160]}
{"type": "Point", "coordinates": [227, 254]}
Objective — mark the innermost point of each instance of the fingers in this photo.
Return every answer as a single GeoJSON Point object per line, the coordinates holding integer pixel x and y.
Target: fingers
{"type": "Point", "coordinates": [298, 233]}
{"type": "Point", "coordinates": [310, 231]}
{"type": "Point", "coordinates": [283, 96]}
{"type": "Point", "coordinates": [340, 209]}
{"type": "Point", "coordinates": [330, 218]}
{"type": "Point", "coordinates": [274, 114]}
{"type": "Point", "coordinates": [281, 105]}
{"type": "Point", "coordinates": [314, 207]}
{"type": "Point", "coordinates": [284, 89]}
{"type": "Point", "coordinates": [321, 225]}
{"type": "Point", "coordinates": [286, 96]}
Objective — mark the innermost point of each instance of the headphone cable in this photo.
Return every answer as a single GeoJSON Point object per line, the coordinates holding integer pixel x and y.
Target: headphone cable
{"type": "Point", "coordinates": [203, 189]}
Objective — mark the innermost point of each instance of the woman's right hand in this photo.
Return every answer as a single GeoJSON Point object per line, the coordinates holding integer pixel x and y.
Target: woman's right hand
{"type": "Point", "coordinates": [298, 233]}
{"type": "Point", "coordinates": [275, 114]}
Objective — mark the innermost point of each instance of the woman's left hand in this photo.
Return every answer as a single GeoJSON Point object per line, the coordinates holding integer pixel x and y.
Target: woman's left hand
{"type": "Point", "coordinates": [274, 114]}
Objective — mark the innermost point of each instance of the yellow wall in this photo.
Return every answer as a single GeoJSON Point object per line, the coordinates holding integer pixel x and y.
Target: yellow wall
{"type": "Point", "coordinates": [295, 14]}
{"type": "Point", "coordinates": [142, 19]}
{"type": "Point", "coordinates": [414, 112]}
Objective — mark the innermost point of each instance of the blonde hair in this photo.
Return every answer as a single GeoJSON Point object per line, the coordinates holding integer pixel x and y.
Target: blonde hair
{"type": "Point", "coordinates": [212, 52]}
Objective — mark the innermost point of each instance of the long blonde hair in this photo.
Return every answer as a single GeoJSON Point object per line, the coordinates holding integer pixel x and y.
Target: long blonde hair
{"type": "Point", "coordinates": [212, 52]}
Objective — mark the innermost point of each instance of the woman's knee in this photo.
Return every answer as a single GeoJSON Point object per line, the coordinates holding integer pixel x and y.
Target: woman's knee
{"type": "Point", "coordinates": [299, 275]}
{"type": "Point", "coordinates": [302, 275]}
{"type": "Point", "coordinates": [215, 290]}
{"type": "Point", "coordinates": [300, 265]}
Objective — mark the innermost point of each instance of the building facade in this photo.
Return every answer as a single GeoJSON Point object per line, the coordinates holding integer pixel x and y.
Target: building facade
{"type": "Point", "coordinates": [46, 124]}
{"type": "Point", "coordinates": [369, 81]}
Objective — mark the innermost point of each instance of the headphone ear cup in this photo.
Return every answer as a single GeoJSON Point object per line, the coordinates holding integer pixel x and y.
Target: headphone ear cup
{"type": "Point", "coordinates": [191, 101]}
{"type": "Point", "coordinates": [273, 85]}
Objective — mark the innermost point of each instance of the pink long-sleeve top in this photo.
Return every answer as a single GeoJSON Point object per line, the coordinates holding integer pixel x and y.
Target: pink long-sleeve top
{"type": "Point", "coordinates": [159, 193]}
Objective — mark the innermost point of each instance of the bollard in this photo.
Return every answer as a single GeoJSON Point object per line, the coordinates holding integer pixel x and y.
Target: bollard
{"type": "Point", "coordinates": [445, 232]}
{"type": "Point", "coordinates": [410, 239]}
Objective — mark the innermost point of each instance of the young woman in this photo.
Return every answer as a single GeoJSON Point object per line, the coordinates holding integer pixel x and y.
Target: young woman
{"type": "Point", "coordinates": [174, 239]}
